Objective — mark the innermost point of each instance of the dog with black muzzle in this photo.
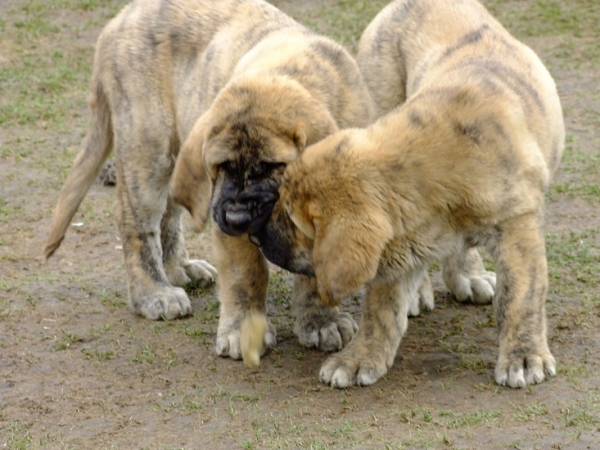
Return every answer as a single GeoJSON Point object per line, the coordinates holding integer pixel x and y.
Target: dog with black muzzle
{"type": "Point", "coordinates": [207, 101]}
{"type": "Point", "coordinates": [290, 90]}
{"type": "Point", "coordinates": [463, 162]}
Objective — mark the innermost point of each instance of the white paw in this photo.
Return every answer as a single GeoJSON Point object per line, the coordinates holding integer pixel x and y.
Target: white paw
{"type": "Point", "coordinates": [200, 272]}
{"type": "Point", "coordinates": [522, 372]}
{"type": "Point", "coordinates": [423, 300]}
{"type": "Point", "coordinates": [478, 289]}
{"type": "Point", "coordinates": [164, 303]}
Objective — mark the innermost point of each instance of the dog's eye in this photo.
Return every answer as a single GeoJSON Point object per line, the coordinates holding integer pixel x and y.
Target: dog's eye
{"type": "Point", "coordinates": [270, 167]}
{"type": "Point", "coordinates": [226, 166]}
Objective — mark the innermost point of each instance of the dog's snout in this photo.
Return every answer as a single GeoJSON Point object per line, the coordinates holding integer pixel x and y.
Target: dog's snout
{"type": "Point", "coordinates": [238, 218]}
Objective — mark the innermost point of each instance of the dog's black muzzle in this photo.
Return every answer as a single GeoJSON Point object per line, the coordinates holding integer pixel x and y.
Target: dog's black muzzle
{"type": "Point", "coordinates": [246, 211]}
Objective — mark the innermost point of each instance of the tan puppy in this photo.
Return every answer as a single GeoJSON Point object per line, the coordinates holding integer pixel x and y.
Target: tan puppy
{"type": "Point", "coordinates": [463, 162]}
{"type": "Point", "coordinates": [254, 88]}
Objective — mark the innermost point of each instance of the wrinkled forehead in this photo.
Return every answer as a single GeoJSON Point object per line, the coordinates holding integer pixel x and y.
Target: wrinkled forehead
{"type": "Point", "coordinates": [245, 144]}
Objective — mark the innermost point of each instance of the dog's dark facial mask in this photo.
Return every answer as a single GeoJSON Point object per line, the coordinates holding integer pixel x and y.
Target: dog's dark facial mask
{"type": "Point", "coordinates": [246, 186]}
{"type": "Point", "coordinates": [283, 244]}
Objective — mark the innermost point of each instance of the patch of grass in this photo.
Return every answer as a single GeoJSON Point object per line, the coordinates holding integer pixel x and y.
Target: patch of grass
{"type": "Point", "coordinates": [66, 340]}
{"type": "Point", "coordinates": [580, 419]}
{"type": "Point", "coordinates": [16, 435]}
{"type": "Point", "coordinates": [223, 393]}
{"type": "Point", "coordinates": [96, 354]}
{"type": "Point", "coordinates": [574, 260]}
{"type": "Point", "coordinates": [37, 88]}
{"type": "Point", "coordinates": [530, 412]}
{"type": "Point", "coordinates": [343, 20]}
{"type": "Point", "coordinates": [580, 170]}
{"type": "Point", "coordinates": [111, 300]}
{"type": "Point", "coordinates": [547, 17]}
{"type": "Point", "coordinates": [475, 418]}
{"type": "Point", "coordinates": [145, 356]}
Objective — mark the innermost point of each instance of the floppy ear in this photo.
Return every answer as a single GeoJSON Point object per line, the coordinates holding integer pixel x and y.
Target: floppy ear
{"type": "Point", "coordinates": [346, 254]}
{"type": "Point", "coordinates": [315, 125]}
{"type": "Point", "coordinates": [191, 186]}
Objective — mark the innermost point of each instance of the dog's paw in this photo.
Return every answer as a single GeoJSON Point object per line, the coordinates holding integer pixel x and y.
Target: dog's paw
{"type": "Point", "coordinates": [165, 302]}
{"type": "Point", "coordinates": [518, 370]}
{"type": "Point", "coordinates": [355, 365]}
{"type": "Point", "coordinates": [200, 272]}
{"type": "Point", "coordinates": [326, 329]}
{"type": "Point", "coordinates": [196, 271]}
{"type": "Point", "coordinates": [478, 289]}
{"type": "Point", "coordinates": [229, 338]}
{"type": "Point", "coordinates": [467, 279]}
{"type": "Point", "coordinates": [423, 300]}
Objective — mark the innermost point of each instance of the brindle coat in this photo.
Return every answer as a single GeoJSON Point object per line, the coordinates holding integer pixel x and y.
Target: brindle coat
{"type": "Point", "coordinates": [464, 161]}
{"type": "Point", "coordinates": [253, 87]}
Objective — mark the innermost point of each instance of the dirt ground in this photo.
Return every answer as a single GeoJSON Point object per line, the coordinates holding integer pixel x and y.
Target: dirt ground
{"type": "Point", "coordinates": [79, 370]}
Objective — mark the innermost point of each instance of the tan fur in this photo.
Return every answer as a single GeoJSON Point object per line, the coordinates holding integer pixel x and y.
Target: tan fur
{"type": "Point", "coordinates": [463, 162]}
{"type": "Point", "coordinates": [228, 82]}
{"type": "Point", "coordinates": [281, 91]}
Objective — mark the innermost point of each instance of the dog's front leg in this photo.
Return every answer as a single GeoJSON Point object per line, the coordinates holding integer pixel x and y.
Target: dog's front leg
{"type": "Point", "coordinates": [242, 285]}
{"type": "Point", "coordinates": [384, 321]}
{"type": "Point", "coordinates": [520, 298]}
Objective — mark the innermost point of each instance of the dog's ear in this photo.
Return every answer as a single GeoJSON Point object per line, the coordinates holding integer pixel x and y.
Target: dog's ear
{"type": "Point", "coordinates": [347, 252]}
{"type": "Point", "coordinates": [191, 186]}
{"type": "Point", "coordinates": [315, 125]}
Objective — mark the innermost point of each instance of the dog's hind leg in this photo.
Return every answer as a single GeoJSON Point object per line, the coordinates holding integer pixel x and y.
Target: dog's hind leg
{"type": "Point", "coordinates": [179, 268]}
{"type": "Point", "coordinates": [316, 325]}
{"type": "Point", "coordinates": [144, 163]}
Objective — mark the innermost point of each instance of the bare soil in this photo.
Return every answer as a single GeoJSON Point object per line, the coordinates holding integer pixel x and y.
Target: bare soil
{"type": "Point", "coordinates": [79, 370]}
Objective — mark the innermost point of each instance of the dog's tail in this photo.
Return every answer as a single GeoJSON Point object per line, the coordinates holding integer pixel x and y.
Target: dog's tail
{"type": "Point", "coordinates": [252, 337]}
{"type": "Point", "coordinates": [95, 150]}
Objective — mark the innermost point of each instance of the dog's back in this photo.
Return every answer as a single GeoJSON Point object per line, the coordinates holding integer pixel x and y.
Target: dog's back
{"type": "Point", "coordinates": [159, 65]}
{"type": "Point", "coordinates": [458, 50]}
{"type": "Point", "coordinates": [176, 48]}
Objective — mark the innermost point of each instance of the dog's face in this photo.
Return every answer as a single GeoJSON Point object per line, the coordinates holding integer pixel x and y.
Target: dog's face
{"type": "Point", "coordinates": [327, 222]}
{"type": "Point", "coordinates": [240, 148]}
{"type": "Point", "coordinates": [245, 162]}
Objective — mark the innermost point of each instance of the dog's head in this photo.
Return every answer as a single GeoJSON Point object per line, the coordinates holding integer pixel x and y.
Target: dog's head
{"type": "Point", "coordinates": [330, 220]}
{"type": "Point", "coordinates": [240, 147]}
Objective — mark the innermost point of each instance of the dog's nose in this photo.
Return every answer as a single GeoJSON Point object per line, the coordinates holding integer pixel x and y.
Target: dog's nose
{"type": "Point", "coordinates": [239, 219]}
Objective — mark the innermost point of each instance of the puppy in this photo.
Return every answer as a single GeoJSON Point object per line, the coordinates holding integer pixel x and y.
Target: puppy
{"type": "Point", "coordinates": [463, 162]}
{"type": "Point", "coordinates": [241, 89]}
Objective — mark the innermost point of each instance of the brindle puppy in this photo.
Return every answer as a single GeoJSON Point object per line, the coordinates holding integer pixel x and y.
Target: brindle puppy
{"type": "Point", "coordinates": [463, 162]}
{"type": "Point", "coordinates": [256, 88]}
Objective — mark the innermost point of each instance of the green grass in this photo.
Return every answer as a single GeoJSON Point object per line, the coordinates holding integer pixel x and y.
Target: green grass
{"type": "Point", "coordinates": [146, 355]}
{"type": "Point", "coordinates": [574, 259]}
{"type": "Point", "coordinates": [342, 20]}
{"type": "Point", "coordinates": [576, 23]}
{"type": "Point", "coordinates": [47, 76]}
{"type": "Point", "coordinates": [538, 18]}
{"type": "Point", "coordinates": [16, 436]}
{"type": "Point", "coordinates": [581, 170]}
